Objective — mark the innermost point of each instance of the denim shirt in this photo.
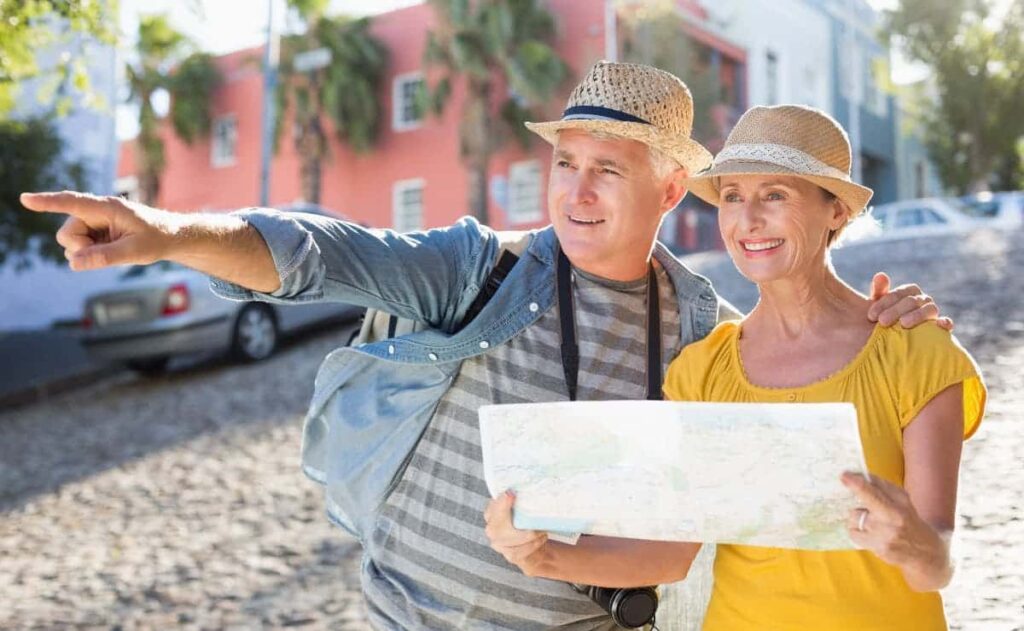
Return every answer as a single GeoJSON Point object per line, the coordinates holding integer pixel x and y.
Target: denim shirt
{"type": "Point", "coordinates": [371, 403]}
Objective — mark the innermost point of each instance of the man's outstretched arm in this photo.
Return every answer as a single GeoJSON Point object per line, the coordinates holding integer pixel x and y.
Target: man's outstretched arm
{"type": "Point", "coordinates": [106, 231]}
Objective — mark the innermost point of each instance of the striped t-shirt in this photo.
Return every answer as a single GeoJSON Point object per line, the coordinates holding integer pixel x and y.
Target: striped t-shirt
{"type": "Point", "coordinates": [428, 564]}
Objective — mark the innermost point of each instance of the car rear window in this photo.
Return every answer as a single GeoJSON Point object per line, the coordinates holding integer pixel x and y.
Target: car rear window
{"type": "Point", "coordinates": [138, 271]}
{"type": "Point", "coordinates": [981, 209]}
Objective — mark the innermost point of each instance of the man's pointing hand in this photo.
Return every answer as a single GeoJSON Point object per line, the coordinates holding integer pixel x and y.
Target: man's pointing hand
{"type": "Point", "coordinates": [106, 231]}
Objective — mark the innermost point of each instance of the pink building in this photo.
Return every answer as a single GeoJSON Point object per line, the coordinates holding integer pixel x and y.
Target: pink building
{"type": "Point", "coordinates": [413, 178]}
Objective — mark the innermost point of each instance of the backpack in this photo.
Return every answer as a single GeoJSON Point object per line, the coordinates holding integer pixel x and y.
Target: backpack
{"type": "Point", "coordinates": [380, 325]}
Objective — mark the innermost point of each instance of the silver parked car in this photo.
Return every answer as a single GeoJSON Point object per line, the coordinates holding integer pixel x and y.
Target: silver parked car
{"type": "Point", "coordinates": [163, 310]}
{"type": "Point", "coordinates": [996, 210]}
{"type": "Point", "coordinates": [914, 218]}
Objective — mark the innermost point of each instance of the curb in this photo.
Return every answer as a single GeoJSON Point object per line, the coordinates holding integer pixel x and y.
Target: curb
{"type": "Point", "coordinates": [39, 391]}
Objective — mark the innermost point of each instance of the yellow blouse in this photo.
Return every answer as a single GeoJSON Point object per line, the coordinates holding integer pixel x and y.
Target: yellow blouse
{"type": "Point", "coordinates": [893, 376]}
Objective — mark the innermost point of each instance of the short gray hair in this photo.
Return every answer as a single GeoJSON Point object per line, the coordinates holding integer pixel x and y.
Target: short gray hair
{"type": "Point", "coordinates": [661, 164]}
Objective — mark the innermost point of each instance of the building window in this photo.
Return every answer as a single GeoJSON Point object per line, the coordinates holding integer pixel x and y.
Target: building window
{"type": "Point", "coordinates": [524, 192]}
{"type": "Point", "coordinates": [772, 78]}
{"type": "Point", "coordinates": [407, 205]}
{"type": "Point", "coordinates": [225, 141]}
{"type": "Point", "coordinates": [406, 102]}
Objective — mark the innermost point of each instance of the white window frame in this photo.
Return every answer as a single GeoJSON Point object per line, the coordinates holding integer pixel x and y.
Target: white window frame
{"type": "Point", "coordinates": [218, 157]}
{"type": "Point", "coordinates": [398, 123]}
{"type": "Point", "coordinates": [522, 209]}
{"type": "Point", "coordinates": [398, 215]}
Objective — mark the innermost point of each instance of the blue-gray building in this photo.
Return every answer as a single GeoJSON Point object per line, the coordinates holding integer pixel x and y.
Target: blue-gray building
{"type": "Point", "coordinates": [828, 54]}
{"type": "Point", "coordinates": [861, 101]}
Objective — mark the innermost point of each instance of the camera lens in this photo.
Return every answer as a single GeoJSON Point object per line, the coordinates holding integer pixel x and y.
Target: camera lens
{"type": "Point", "coordinates": [629, 608]}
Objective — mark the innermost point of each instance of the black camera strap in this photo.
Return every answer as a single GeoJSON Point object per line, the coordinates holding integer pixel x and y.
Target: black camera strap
{"type": "Point", "coordinates": [567, 323]}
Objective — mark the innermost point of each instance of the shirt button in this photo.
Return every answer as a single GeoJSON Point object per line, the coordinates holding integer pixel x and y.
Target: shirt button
{"type": "Point", "coordinates": [791, 397]}
{"type": "Point", "coordinates": [534, 307]}
{"type": "Point", "coordinates": [391, 349]}
{"type": "Point", "coordinates": [432, 357]}
{"type": "Point", "coordinates": [485, 344]}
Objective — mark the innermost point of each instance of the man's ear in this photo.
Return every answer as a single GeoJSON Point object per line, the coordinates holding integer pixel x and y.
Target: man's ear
{"type": "Point", "coordinates": [675, 190]}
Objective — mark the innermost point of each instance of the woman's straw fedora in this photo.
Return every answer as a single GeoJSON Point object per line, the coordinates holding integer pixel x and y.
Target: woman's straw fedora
{"type": "Point", "coordinates": [786, 140]}
{"type": "Point", "coordinates": [636, 102]}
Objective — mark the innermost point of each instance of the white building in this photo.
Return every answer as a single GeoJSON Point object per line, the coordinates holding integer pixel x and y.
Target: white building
{"type": "Point", "coordinates": [789, 49]}
{"type": "Point", "coordinates": [89, 137]}
{"type": "Point", "coordinates": [87, 130]}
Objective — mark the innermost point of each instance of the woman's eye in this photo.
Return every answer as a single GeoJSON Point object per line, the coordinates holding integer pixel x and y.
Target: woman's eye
{"type": "Point", "coordinates": [775, 196]}
{"type": "Point", "coordinates": [731, 197]}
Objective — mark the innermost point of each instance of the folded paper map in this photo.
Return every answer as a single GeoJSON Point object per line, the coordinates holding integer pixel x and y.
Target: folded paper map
{"type": "Point", "coordinates": [764, 474]}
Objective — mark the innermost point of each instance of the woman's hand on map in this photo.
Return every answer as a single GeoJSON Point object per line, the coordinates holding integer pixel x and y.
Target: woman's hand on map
{"type": "Point", "coordinates": [519, 547]}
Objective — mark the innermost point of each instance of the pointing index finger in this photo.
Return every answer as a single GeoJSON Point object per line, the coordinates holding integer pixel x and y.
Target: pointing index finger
{"type": "Point", "coordinates": [82, 205]}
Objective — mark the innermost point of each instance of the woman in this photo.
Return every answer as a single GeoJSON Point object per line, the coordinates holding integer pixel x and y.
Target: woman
{"type": "Point", "coordinates": [784, 194]}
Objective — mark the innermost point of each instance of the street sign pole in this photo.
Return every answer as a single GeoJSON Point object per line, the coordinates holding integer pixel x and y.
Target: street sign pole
{"type": "Point", "coordinates": [269, 87]}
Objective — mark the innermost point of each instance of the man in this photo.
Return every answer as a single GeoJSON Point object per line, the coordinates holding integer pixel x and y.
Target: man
{"type": "Point", "coordinates": [392, 429]}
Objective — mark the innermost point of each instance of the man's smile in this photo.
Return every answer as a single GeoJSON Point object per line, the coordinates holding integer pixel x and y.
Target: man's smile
{"type": "Point", "coordinates": [585, 221]}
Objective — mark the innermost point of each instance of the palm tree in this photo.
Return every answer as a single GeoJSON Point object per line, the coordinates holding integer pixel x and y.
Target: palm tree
{"type": "Point", "coordinates": [345, 89]}
{"type": "Point", "coordinates": [190, 85]}
{"type": "Point", "coordinates": [653, 33]}
{"type": "Point", "coordinates": [485, 42]}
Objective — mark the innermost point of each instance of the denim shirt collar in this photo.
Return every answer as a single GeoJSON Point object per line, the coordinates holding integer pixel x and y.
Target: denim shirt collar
{"type": "Point", "coordinates": [527, 293]}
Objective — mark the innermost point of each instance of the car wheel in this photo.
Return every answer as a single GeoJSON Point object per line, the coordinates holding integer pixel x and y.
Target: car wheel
{"type": "Point", "coordinates": [149, 367]}
{"type": "Point", "coordinates": [255, 335]}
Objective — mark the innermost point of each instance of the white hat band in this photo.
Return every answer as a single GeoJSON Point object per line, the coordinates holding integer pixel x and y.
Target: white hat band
{"type": "Point", "coordinates": [779, 155]}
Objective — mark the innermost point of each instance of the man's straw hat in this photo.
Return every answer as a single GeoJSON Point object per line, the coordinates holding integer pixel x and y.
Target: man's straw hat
{"type": "Point", "coordinates": [637, 102]}
{"type": "Point", "coordinates": [786, 140]}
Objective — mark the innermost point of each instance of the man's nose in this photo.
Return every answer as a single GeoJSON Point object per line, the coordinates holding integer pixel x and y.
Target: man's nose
{"type": "Point", "coordinates": [582, 191]}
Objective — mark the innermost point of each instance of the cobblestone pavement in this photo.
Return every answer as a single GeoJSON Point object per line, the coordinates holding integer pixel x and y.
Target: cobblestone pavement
{"type": "Point", "coordinates": [173, 503]}
{"type": "Point", "coordinates": [178, 502]}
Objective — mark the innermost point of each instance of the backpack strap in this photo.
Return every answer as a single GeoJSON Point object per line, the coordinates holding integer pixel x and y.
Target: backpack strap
{"type": "Point", "coordinates": [512, 245]}
{"type": "Point", "coordinates": [379, 325]}
{"type": "Point", "coordinates": [491, 285]}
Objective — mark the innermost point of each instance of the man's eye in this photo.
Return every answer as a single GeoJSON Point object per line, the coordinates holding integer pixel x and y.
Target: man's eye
{"type": "Point", "coordinates": [609, 171]}
{"type": "Point", "coordinates": [563, 163]}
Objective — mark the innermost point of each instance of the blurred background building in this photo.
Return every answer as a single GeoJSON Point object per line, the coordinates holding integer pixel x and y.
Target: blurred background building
{"type": "Point", "coordinates": [734, 54]}
{"type": "Point", "coordinates": [87, 131]}
{"type": "Point", "coordinates": [87, 134]}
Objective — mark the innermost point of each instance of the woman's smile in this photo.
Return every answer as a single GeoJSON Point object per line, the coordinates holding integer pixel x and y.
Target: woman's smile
{"type": "Point", "coordinates": [759, 248]}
